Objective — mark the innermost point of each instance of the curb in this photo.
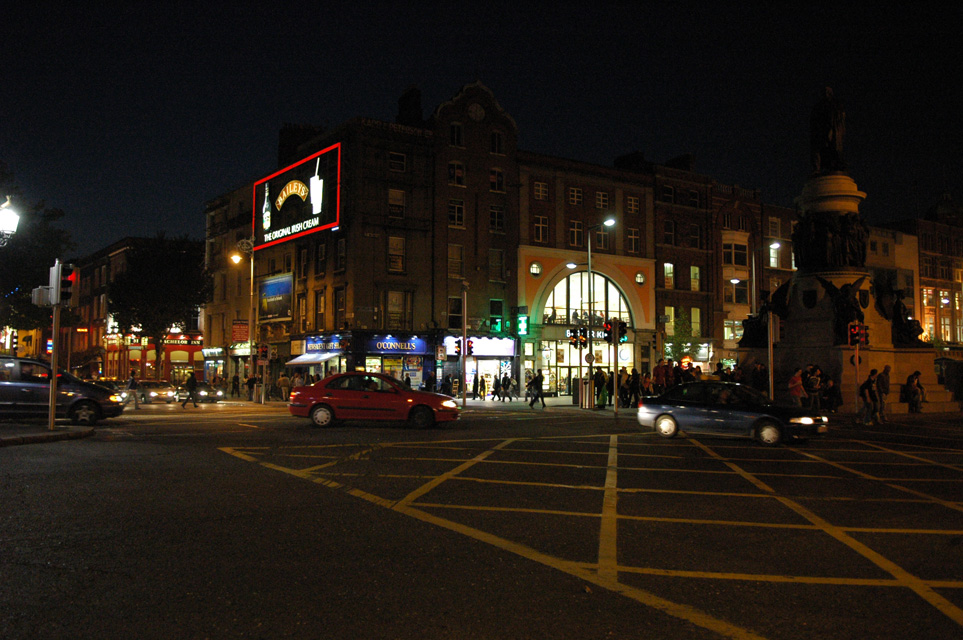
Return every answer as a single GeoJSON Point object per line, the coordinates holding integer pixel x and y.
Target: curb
{"type": "Point", "coordinates": [52, 436]}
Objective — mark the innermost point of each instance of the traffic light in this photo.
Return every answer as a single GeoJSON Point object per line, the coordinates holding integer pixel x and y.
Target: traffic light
{"type": "Point", "coordinates": [13, 342]}
{"type": "Point", "coordinates": [623, 329]}
{"type": "Point", "coordinates": [458, 347]}
{"type": "Point", "coordinates": [573, 338]}
{"type": "Point", "coordinates": [608, 331]}
{"type": "Point", "coordinates": [582, 337]}
{"type": "Point", "coordinates": [865, 335]}
{"type": "Point", "coordinates": [471, 346]}
{"type": "Point", "coordinates": [61, 282]}
{"type": "Point", "coordinates": [854, 334]}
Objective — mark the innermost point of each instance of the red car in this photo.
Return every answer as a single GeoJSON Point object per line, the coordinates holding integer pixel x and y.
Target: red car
{"type": "Point", "coordinates": [362, 395]}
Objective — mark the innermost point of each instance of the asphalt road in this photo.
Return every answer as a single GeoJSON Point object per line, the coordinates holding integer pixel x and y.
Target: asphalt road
{"type": "Point", "coordinates": [238, 521]}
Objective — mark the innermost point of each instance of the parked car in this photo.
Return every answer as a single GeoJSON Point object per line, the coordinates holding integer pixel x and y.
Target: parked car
{"type": "Point", "coordinates": [25, 392]}
{"type": "Point", "coordinates": [361, 395]}
{"type": "Point", "coordinates": [728, 408]}
{"type": "Point", "coordinates": [205, 393]}
{"type": "Point", "coordinates": [155, 391]}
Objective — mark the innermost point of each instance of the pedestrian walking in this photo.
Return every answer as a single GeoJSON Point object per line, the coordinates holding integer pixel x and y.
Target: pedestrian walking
{"type": "Point", "coordinates": [506, 387]}
{"type": "Point", "coordinates": [535, 386]}
{"type": "Point", "coordinates": [236, 386]}
{"type": "Point", "coordinates": [870, 399]}
{"type": "Point", "coordinates": [882, 391]}
{"type": "Point", "coordinates": [191, 385]}
{"type": "Point", "coordinates": [249, 383]}
{"type": "Point", "coordinates": [496, 389]}
{"type": "Point", "coordinates": [132, 391]}
{"type": "Point", "coordinates": [284, 382]}
{"type": "Point", "coordinates": [796, 390]}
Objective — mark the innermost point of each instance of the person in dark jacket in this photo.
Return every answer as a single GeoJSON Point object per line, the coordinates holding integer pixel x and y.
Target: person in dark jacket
{"type": "Point", "coordinates": [191, 386]}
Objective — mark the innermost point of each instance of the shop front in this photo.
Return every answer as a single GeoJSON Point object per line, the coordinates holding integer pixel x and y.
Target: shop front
{"type": "Point", "coordinates": [214, 364]}
{"type": "Point", "coordinates": [319, 356]}
{"type": "Point", "coordinates": [182, 355]}
{"type": "Point", "coordinates": [490, 358]}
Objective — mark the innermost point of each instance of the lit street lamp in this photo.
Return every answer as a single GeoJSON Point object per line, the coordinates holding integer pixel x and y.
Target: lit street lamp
{"type": "Point", "coordinates": [608, 222]}
{"type": "Point", "coordinates": [246, 247]}
{"type": "Point", "coordinates": [9, 221]}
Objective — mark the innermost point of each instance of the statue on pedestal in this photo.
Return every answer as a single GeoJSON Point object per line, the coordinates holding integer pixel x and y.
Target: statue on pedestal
{"type": "Point", "coordinates": [846, 307]}
{"type": "Point", "coordinates": [827, 124]}
{"type": "Point", "coordinates": [906, 330]}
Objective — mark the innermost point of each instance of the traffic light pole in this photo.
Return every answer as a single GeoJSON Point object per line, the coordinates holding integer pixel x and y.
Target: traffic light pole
{"type": "Point", "coordinates": [54, 355]}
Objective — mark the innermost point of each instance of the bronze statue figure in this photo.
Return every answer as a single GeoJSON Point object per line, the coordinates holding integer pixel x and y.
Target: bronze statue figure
{"type": "Point", "coordinates": [846, 307]}
{"type": "Point", "coordinates": [827, 126]}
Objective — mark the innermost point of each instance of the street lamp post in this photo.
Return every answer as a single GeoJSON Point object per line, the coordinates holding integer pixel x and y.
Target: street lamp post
{"type": "Point", "coordinates": [9, 221]}
{"type": "Point", "coordinates": [246, 246]}
{"type": "Point", "coordinates": [608, 222]}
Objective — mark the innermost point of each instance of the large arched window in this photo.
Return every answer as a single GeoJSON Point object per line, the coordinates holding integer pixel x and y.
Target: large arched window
{"type": "Point", "coordinates": [568, 303]}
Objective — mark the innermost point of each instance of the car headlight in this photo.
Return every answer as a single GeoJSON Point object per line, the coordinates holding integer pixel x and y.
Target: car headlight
{"type": "Point", "coordinates": [153, 394]}
{"type": "Point", "coordinates": [802, 420]}
{"type": "Point", "coordinates": [220, 393]}
{"type": "Point", "coordinates": [203, 393]}
{"type": "Point", "coordinates": [449, 404]}
{"type": "Point", "coordinates": [115, 398]}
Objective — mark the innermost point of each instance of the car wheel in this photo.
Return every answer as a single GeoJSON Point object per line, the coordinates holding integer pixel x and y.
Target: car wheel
{"type": "Point", "coordinates": [421, 418]}
{"type": "Point", "coordinates": [144, 399]}
{"type": "Point", "coordinates": [322, 416]}
{"type": "Point", "coordinates": [666, 427]}
{"type": "Point", "coordinates": [84, 413]}
{"type": "Point", "coordinates": [768, 434]}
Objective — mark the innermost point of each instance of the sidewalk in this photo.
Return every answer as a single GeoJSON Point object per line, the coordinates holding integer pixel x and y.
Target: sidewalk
{"type": "Point", "coordinates": [17, 433]}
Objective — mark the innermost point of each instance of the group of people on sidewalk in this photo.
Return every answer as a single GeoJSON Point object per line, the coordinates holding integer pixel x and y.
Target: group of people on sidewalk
{"type": "Point", "coordinates": [875, 390]}
{"type": "Point", "coordinates": [810, 387]}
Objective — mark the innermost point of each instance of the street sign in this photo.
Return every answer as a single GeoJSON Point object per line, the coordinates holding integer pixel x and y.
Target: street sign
{"type": "Point", "coordinates": [589, 358]}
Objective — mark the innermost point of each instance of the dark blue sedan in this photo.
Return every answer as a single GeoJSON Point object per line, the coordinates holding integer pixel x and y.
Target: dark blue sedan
{"type": "Point", "coordinates": [730, 409]}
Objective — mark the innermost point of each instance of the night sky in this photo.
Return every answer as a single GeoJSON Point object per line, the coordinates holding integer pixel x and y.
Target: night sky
{"type": "Point", "coordinates": [131, 118]}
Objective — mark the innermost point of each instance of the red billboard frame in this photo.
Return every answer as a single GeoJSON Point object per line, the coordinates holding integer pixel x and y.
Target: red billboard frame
{"type": "Point", "coordinates": [337, 200]}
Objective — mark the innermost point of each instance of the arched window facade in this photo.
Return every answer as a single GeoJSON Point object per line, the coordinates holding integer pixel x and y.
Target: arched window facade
{"type": "Point", "coordinates": [568, 303]}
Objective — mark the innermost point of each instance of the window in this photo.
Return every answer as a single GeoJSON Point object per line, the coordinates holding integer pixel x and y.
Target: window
{"type": "Point", "coordinates": [693, 200]}
{"type": "Point", "coordinates": [634, 240]}
{"type": "Point", "coordinates": [670, 321]}
{"type": "Point", "coordinates": [575, 233]}
{"type": "Point", "coordinates": [602, 239]}
{"type": "Point", "coordinates": [668, 193]}
{"type": "Point", "coordinates": [737, 293]}
{"type": "Point", "coordinates": [496, 180]}
{"type": "Point", "coordinates": [541, 191]}
{"type": "Point", "coordinates": [341, 258]}
{"type": "Point", "coordinates": [885, 248]}
{"type": "Point", "coordinates": [340, 308]}
{"type": "Point", "coordinates": [320, 257]}
{"type": "Point", "coordinates": [319, 311]}
{"type": "Point", "coordinates": [396, 254]}
{"type": "Point", "coordinates": [455, 314]}
{"type": "Point", "coordinates": [496, 314]}
{"type": "Point", "coordinates": [774, 257]}
{"type": "Point", "coordinates": [497, 143]}
{"type": "Point", "coordinates": [396, 203]}
{"type": "Point", "coordinates": [632, 204]}
{"type": "Point", "coordinates": [456, 174]}
{"type": "Point", "coordinates": [456, 135]}
{"type": "Point", "coordinates": [302, 311]}
{"type": "Point", "coordinates": [742, 223]}
{"type": "Point", "coordinates": [774, 228]}
{"type": "Point", "coordinates": [668, 271]}
{"type": "Point", "coordinates": [668, 232]}
{"type": "Point", "coordinates": [727, 220]}
{"type": "Point", "coordinates": [303, 262]}
{"type": "Point", "coordinates": [601, 200]}
{"type": "Point", "coordinates": [734, 254]}
{"type": "Point", "coordinates": [695, 279]}
{"type": "Point", "coordinates": [496, 218]}
{"type": "Point", "coordinates": [732, 329]}
{"type": "Point", "coordinates": [397, 313]}
{"type": "Point", "coordinates": [456, 213]}
{"type": "Point", "coordinates": [541, 229]}
{"type": "Point", "coordinates": [575, 195]}
{"type": "Point", "coordinates": [396, 161]}
{"type": "Point", "coordinates": [456, 261]}
{"type": "Point", "coordinates": [496, 265]}
{"type": "Point", "coordinates": [695, 236]}
{"type": "Point", "coordinates": [872, 246]}
{"type": "Point", "coordinates": [695, 321]}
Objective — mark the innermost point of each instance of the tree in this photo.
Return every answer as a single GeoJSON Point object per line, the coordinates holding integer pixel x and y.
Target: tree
{"type": "Point", "coordinates": [163, 284]}
{"type": "Point", "coordinates": [681, 343]}
{"type": "Point", "coordinates": [26, 259]}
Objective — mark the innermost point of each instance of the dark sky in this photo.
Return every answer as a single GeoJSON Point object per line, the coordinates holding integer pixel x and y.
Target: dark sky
{"type": "Point", "coordinates": [131, 116]}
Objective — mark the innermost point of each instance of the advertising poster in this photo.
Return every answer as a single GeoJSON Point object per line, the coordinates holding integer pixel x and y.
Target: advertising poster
{"type": "Point", "coordinates": [275, 297]}
{"type": "Point", "coordinates": [300, 199]}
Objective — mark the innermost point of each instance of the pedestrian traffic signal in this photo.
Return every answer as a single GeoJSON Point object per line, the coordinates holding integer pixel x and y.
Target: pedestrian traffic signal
{"type": "Point", "coordinates": [471, 347]}
{"type": "Point", "coordinates": [608, 331]}
{"type": "Point", "coordinates": [458, 347]}
{"type": "Point", "coordinates": [523, 325]}
{"type": "Point", "coordinates": [865, 335]}
{"type": "Point", "coordinates": [854, 334]}
{"type": "Point", "coordinates": [623, 331]}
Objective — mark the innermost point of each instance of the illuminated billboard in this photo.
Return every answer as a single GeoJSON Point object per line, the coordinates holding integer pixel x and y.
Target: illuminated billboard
{"type": "Point", "coordinates": [300, 199]}
{"type": "Point", "coordinates": [274, 297]}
